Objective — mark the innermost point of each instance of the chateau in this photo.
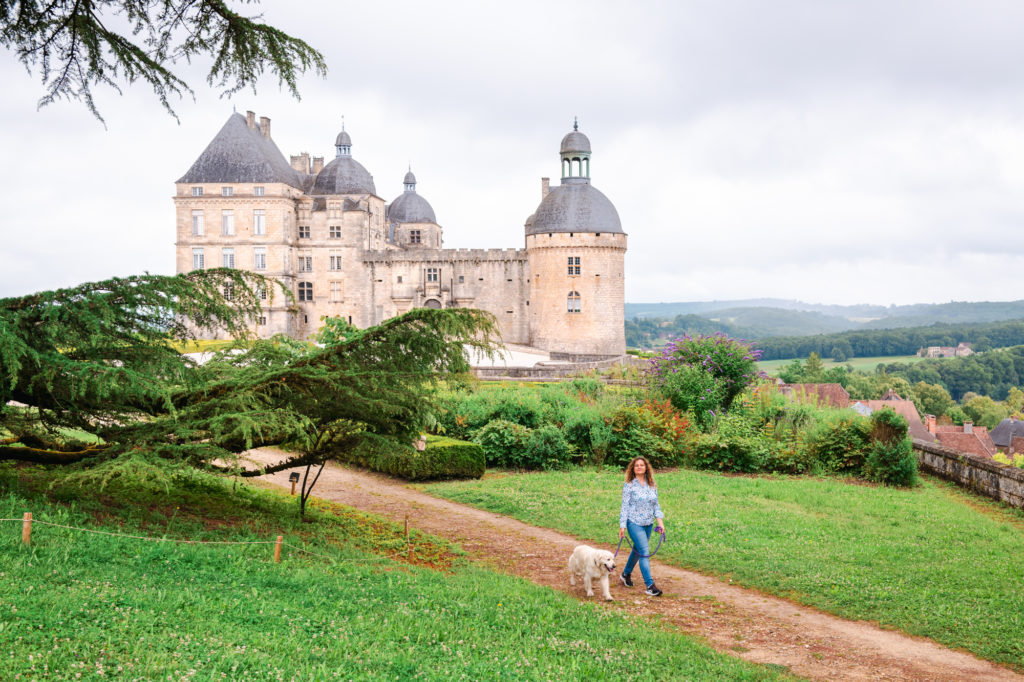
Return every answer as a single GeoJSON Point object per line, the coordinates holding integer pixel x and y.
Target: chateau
{"type": "Point", "coordinates": [324, 232]}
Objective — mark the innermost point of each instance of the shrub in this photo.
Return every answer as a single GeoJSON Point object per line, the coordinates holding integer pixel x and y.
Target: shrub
{"type": "Point", "coordinates": [840, 444]}
{"type": "Point", "coordinates": [503, 442]}
{"type": "Point", "coordinates": [632, 435]}
{"type": "Point", "coordinates": [722, 452]}
{"type": "Point", "coordinates": [890, 457]}
{"type": "Point", "coordinates": [520, 407]}
{"type": "Point", "coordinates": [586, 430]}
{"type": "Point", "coordinates": [546, 448]}
{"type": "Point", "coordinates": [591, 388]}
{"type": "Point", "coordinates": [1017, 461]}
{"type": "Point", "coordinates": [443, 458]}
{"type": "Point", "coordinates": [702, 375]}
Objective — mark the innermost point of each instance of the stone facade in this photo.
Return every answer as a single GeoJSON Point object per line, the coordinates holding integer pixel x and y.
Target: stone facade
{"type": "Point", "coordinates": [342, 250]}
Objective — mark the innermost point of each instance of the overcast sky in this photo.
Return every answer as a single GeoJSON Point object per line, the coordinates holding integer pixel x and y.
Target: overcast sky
{"type": "Point", "coordinates": [855, 152]}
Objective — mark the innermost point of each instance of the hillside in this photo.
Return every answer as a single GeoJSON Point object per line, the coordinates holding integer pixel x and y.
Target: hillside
{"type": "Point", "coordinates": [650, 325]}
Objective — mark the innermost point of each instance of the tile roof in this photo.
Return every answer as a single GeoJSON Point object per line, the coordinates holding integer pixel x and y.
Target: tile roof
{"type": "Point", "coordinates": [915, 427]}
{"type": "Point", "coordinates": [832, 395]}
{"type": "Point", "coordinates": [978, 442]}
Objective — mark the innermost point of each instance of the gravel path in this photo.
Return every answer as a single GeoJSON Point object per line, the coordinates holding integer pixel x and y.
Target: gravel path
{"type": "Point", "coordinates": [734, 620]}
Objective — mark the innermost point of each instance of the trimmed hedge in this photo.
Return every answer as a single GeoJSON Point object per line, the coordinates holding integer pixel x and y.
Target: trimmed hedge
{"type": "Point", "coordinates": [443, 458]}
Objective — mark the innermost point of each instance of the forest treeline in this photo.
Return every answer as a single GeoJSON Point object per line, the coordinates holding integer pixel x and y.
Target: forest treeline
{"type": "Point", "coordinates": [843, 346]}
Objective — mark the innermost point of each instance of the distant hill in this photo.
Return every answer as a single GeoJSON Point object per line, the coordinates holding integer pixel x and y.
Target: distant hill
{"type": "Point", "coordinates": [760, 318]}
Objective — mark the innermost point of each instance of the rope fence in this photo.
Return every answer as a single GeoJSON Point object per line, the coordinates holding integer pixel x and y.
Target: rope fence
{"type": "Point", "coordinates": [27, 522]}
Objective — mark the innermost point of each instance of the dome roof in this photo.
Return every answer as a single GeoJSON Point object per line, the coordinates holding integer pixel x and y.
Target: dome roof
{"type": "Point", "coordinates": [575, 206]}
{"type": "Point", "coordinates": [344, 175]}
{"type": "Point", "coordinates": [575, 142]}
{"type": "Point", "coordinates": [343, 139]}
{"type": "Point", "coordinates": [411, 208]}
{"type": "Point", "coordinates": [410, 179]}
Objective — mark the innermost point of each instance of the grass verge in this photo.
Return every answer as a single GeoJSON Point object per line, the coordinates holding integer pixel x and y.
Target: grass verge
{"type": "Point", "coordinates": [84, 606]}
{"type": "Point", "coordinates": [931, 561]}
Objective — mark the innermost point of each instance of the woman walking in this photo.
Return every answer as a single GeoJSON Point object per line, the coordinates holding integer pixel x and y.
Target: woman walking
{"type": "Point", "coordinates": [640, 512]}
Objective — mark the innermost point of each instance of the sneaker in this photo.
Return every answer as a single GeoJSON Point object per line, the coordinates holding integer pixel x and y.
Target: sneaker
{"type": "Point", "coordinates": [625, 579]}
{"type": "Point", "coordinates": [653, 590]}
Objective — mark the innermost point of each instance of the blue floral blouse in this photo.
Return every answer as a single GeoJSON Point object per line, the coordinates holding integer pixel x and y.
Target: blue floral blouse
{"type": "Point", "coordinates": [639, 504]}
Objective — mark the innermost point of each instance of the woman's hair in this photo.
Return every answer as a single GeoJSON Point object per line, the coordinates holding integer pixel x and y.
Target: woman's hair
{"type": "Point", "coordinates": [648, 473]}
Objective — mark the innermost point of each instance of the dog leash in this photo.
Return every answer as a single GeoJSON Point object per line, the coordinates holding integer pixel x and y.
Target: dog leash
{"type": "Point", "coordinates": [661, 539]}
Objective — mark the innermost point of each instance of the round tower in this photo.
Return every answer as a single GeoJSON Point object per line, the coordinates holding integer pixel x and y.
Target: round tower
{"type": "Point", "coordinates": [575, 250]}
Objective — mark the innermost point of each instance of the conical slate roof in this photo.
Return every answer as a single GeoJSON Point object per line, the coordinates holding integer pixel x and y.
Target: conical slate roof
{"type": "Point", "coordinates": [411, 208]}
{"type": "Point", "coordinates": [239, 153]}
{"type": "Point", "coordinates": [575, 206]}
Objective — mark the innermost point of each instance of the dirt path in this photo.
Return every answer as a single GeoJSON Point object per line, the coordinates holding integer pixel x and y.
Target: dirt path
{"type": "Point", "coordinates": [733, 620]}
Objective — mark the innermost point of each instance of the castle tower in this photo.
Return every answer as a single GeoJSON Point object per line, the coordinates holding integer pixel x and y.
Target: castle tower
{"type": "Point", "coordinates": [576, 251]}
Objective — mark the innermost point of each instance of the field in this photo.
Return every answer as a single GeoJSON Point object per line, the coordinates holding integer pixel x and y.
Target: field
{"type": "Point", "coordinates": [931, 561]}
{"type": "Point", "coordinates": [868, 365]}
{"type": "Point", "coordinates": [77, 605]}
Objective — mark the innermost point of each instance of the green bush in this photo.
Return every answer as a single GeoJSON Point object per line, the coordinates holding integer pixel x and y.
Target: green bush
{"type": "Point", "coordinates": [890, 457]}
{"type": "Point", "coordinates": [503, 442]}
{"type": "Point", "coordinates": [591, 388]}
{"type": "Point", "coordinates": [547, 448]}
{"type": "Point", "coordinates": [633, 435]}
{"type": "Point", "coordinates": [443, 458]}
{"type": "Point", "coordinates": [732, 445]}
{"type": "Point", "coordinates": [840, 444]}
{"type": "Point", "coordinates": [586, 430]}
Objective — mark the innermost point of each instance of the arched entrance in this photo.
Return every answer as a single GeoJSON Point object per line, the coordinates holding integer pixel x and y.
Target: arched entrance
{"type": "Point", "coordinates": [432, 303]}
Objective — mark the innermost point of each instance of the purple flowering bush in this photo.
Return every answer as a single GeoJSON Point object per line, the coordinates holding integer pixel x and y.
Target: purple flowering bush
{"type": "Point", "coordinates": [703, 375]}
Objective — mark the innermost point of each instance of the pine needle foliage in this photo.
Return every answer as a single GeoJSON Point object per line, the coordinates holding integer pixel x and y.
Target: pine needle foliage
{"type": "Point", "coordinates": [74, 45]}
{"type": "Point", "coordinates": [99, 361]}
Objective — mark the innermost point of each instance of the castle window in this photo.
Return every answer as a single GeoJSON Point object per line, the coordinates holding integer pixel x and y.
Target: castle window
{"type": "Point", "coordinates": [574, 265]}
{"type": "Point", "coordinates": [462, 279]}
{"type": "Point", "coordinates": [229, 292]}
{"type": "Point", "coordinates": [257, 191]}
{"type": "Point", "coordinates": [259, 258]}
{"type": "Point", "coordinates": [433, 274]}
{"type": "Point", "coordinates": [259, 221]}
{"type": "Point", "coordinates": [335, 260]}
{"type": "Point", "coordinates": [415, 237]}
{"type": "Point", "coordinates": [227, 191]}
{"type": "Point", "coordinates": [305, 262]}
{"type": "Point", "coordinates": [335, 232]}
{"type": "Point", "coordinates": [399, 279]}
{"type": "Point", "coordinates": [197, 191]}
{"type": "Point", "coordinates": [228, 258]}
{"type": "Point", "coordinates": [262, 293]}
{"type": "Point", "coordinates": [303, 231]}
{"type": "Point", "coordinates": [336, 292]}
{"type": "Point", "coordinates": [227, 223]}
{"type": "Point", "coordinates": [305, 291]}
{"type": "Point", "coordinates": [198, 227]}
{"type": "Point", "coordinates": [198, 259]}
{"type": "Point", "coordinates": [263, 320]}
{"type": "Point", "coordinates": [573, 302]}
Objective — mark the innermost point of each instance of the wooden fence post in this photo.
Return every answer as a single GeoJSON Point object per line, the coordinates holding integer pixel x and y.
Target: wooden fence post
{"type": "Point", "coordinates": [26, 528]}
{"type": "Point", "coordinates": [277, 549]}
{"type": "Point", "coordinates": [407, 547]}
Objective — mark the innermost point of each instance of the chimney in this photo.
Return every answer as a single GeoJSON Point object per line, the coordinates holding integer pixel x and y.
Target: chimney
{"type": "Point", "coordinates": [968, 427]}
{"type": "Point", "coordinates": [265, 126]}
{"type": "Point", "coordinates": [929, 422]}
{"type": "Point", "coordinates": [545, 187]}
{"type": "Point", "coordinates": [318, 164]}
{"type": "Point", "coordinates": [250, 119]}
{"type": "Point", "coordinates": [301, 162]}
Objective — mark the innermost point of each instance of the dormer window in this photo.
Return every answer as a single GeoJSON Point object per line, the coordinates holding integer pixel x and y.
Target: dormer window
{"type": "Point", "coordinates": [227, 191]}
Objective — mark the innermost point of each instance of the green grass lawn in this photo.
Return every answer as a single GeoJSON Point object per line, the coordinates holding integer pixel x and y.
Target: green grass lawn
{"type": "Point", "coordinates": [84, 606]}
{"type": "Point", "coordinates": [771, 367]}
{"type": "Point", "coordinates": [930, 561]}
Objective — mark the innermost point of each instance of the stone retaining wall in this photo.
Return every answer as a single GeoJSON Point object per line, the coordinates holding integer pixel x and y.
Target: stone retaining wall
{"type": "Point", "coordinates": [982, 474]}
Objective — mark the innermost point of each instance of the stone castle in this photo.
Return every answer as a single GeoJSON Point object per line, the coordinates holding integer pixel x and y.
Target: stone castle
{"type": "Point", "coordinates": [324, 232]}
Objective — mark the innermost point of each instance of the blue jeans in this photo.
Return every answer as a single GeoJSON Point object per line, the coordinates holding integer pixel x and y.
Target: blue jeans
{"type": "Point", "coordinates": [640, 535]}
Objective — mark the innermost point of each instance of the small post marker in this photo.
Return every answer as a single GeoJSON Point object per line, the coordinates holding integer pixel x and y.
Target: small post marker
{"type": "Point", "coordinates": [26, 528]}
{"type": "Point", "coordinates": [277, 549]}
{"type": "Point", "coordinates": [407, 547]}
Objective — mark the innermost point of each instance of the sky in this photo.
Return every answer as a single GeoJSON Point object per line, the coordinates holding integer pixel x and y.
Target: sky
{"type": "Point", "coordinates": [832, 152]}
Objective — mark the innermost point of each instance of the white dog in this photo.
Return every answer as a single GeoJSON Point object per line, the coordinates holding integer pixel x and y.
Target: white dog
{"type": "Point", "coordinates": [590, 563]}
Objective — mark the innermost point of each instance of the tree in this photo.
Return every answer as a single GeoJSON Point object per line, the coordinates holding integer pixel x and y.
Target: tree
{"type": "Point", "coordinates": [112, 395]}
{"type": "Point", "coordinates": [73, 46]}
{"type": "Point", "coordinates": [838, 354]}
{"type": "Point", "coordinates": [704, 374]}
{"type": "Point", "coordinates": [931, 399]}
{"type": "Point", "coordinates": [814, 368]}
